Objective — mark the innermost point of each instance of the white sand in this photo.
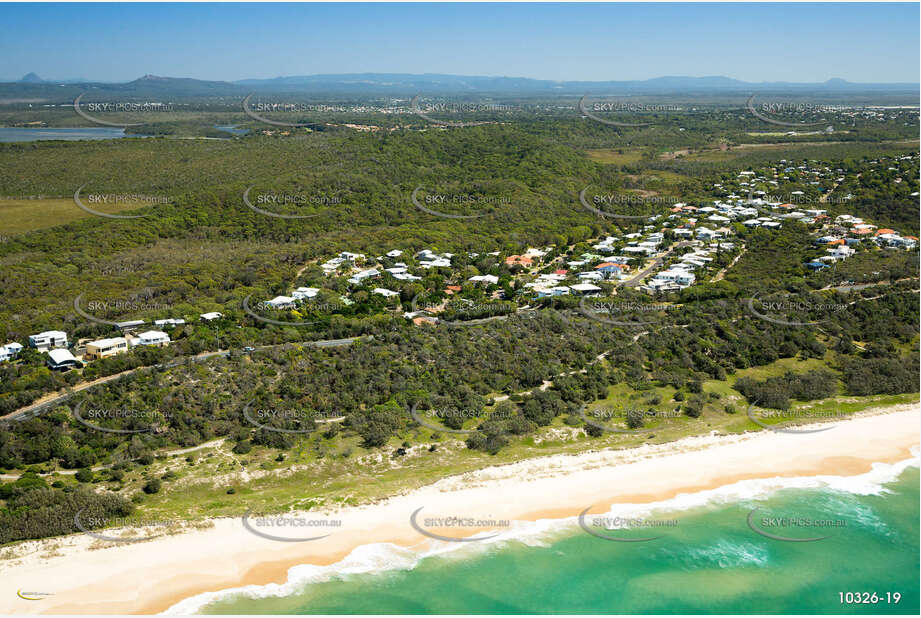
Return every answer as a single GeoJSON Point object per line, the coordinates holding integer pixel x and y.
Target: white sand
{"type": "Point", "coordinates": [151, 576]}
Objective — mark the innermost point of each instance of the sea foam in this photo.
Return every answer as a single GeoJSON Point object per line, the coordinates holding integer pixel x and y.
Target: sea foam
{"type": "Point", "coordinates": [381, 557]}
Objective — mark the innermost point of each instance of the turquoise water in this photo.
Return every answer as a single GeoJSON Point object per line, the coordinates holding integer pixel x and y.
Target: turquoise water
{"type": "Point", "coordinates": [710, 562]}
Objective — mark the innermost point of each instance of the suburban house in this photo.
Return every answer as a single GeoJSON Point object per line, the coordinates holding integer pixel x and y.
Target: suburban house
{"type": "Point", "coordinates": [170, 322]}
{"type": "Point", "coordinates": [281, 302]}
{"type": "Point", "coordinates": [678, 277]}
{"type": "Point", "coordinates": [48, 340]}
{"type": "Point", "coordinates": [385, 292]}
{"type": "Point", "coordinates": [364, 274]}
{"type": "Point", "coordinates": [151, 337]}
{"type": "Point", "coordinates": [62, 360]}
{"type": "Point", "coordinates": [609, 269]}
{"type": "Point", "coordinates": [585, 289]}
{"type": "Point", "coordinates": [559, 290]}
{"type": "Point", "coordinates": [487, 279]}
{"type": "Point", "coordinates": [130, 325]}
{"type": "Point", "coordinates": [519, 260]}
{"type": "Point", "coordinates": [10, 351]}
{"type": "Point", "coordinates": [302, 293]}
{"type": "Point", "coordinates": [105, 347]}
{"type": "Point", "coordinates": [214, 315]}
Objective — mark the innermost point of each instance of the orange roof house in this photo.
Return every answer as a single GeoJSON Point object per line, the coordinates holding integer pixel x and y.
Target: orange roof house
{"type": "Point", "coordinates": [451, 289]}
{"type": "Point", "coordinates": [832, 243]}
{"type": "Point", "coordinates": [520, 260]}
{"type": "Point", "coordinates": [885, 230]}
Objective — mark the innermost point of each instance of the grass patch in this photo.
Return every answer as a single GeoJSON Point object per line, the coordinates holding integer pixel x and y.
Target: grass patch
{"type": "Point", "coordinates": [19, 216]}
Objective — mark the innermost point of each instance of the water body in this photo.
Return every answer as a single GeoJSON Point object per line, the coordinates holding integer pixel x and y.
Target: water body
{"type": "Point", "coordinates": [28, 134]}
{"type": "Point", "coordinates": [232, 129]}
{"type": "Point", "coordinates": [711, 562]}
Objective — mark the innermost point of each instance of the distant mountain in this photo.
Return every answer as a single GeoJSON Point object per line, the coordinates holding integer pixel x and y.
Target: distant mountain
{"type": "Point", "coordinates": [405, 85]}
{"type": "Point", "coordinates": [430, 83]}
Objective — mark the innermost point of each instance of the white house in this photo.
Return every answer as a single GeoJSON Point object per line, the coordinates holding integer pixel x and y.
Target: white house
{"type": "Point", "coordinates": [385, 292]}
{"type": "Point", "coordinates": [170, 322]}
{"type": "Point", "coordinates": [487, 279]}
{"type": "Point", "coordinates": [213, 315]}
{"type": "Point", "coordinates": [61, 360]}
{"type": "Point", "coordinates": [364, 274]}
{"type": "Point", "coordinates": [585, 288]}
{"type": "Point", "coordinates": [281, 302]}
{"type": "Point", "coordinates": [677, 276]}
{"type": "Point", "coordinates": [302, 293]}
{"type": "Point", "coordinates": [10, 351]}
{"type": "Point", "coordinates": [48, 340]}
{"type": "Point", "coordinates": [151, 337]}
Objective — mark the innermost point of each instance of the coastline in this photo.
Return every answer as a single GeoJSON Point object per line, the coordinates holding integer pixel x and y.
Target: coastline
{"type": "Point", "coordinates": [155, 575]}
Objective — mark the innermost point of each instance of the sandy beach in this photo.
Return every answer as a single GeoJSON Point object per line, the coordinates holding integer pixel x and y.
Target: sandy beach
{"type": "Point", "coordinates": [83, 575]}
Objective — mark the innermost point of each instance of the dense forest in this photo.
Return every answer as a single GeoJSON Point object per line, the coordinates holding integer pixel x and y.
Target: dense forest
{"type": "Point", "coordinates": [504, 380]}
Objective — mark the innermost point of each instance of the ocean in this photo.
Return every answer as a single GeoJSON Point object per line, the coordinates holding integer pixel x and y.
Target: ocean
{"type": "Point", "coordinates": [810, 545]}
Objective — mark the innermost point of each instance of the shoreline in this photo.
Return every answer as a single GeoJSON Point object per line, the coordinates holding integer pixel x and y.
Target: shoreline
{"type": "Point", "coordinates": [153, 576]}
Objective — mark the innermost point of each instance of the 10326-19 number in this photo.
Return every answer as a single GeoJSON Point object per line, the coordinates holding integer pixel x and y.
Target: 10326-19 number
{"type": "Point", "coordinates": [871, 598]}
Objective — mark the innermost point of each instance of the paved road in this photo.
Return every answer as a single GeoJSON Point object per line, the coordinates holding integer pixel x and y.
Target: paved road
{"type": "Point", "coordinates": [630, 283]}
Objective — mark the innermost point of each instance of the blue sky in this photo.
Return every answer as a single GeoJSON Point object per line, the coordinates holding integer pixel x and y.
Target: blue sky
{"type": "Point", "coordinates": [754, 42]}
